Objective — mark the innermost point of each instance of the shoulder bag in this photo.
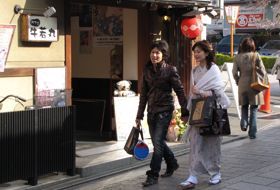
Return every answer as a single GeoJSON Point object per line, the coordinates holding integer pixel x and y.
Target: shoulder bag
{"type": "Point", "coordinates": [260, 81]}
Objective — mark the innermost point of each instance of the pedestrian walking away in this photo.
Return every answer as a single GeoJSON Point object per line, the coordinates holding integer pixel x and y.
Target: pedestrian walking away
{"type": "Point", "coordinates": [205, 151]}
{"type": "Point", "coordinates": [159, 78]}
{"type": "Point", "coordinates": [242, 70]}
{"type": "Point", "coordinates": [276, 69]}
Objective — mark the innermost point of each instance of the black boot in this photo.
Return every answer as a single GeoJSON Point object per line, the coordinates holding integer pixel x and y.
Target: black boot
{"type": "Point", "coordinates": [170, 169]}
{"type": "Point", "coordinates": [152, 178]}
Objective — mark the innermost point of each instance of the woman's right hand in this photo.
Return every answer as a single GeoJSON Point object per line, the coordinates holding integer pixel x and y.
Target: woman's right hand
{"type": "Point", "coordinates": [195, 90]}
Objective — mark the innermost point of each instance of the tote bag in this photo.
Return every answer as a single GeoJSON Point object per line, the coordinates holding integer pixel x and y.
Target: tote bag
{"type": "Point", "coordinates": [202, 111]}
{"type": "Point", "coordinates": [132, 139]}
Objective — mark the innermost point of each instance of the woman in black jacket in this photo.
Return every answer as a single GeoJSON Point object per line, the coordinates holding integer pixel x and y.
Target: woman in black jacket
{"type": "Point", "coordinates": [159, 78]}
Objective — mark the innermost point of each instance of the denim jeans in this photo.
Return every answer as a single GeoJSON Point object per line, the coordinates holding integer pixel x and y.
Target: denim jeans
{"type": "Point", "coordinates": [252, 121]}
{"type": "Point", "coordinates": [158, 126]}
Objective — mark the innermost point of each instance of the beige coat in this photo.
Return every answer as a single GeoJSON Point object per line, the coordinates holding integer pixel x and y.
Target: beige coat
{"type": "Point", "coordinates": [276, 68]}
{"type": "Point", "coordinates": [242, 73]}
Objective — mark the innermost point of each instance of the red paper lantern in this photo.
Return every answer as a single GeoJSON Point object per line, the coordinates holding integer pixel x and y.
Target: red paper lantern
{"type": "Point", "coordinates": [191, 27]}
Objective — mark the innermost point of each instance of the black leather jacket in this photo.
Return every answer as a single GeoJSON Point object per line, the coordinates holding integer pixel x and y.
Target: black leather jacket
{"type": "Point", "coordinates": [157, 90]}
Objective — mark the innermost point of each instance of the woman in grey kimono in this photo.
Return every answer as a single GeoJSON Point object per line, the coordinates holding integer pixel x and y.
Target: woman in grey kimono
{"type": "Point", "coordinates": [205, 151]}
{"type": "Point", "coordinates": [242, 73]}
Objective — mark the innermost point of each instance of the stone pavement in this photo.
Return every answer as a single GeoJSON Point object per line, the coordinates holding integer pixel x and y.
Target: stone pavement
{"type": "Point", "coordinates": [246, 165]}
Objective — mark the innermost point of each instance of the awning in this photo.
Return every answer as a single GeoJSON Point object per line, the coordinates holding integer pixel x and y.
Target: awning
{"type": "Point", "coordinates": [140, 3]}
{"type": "Point", "coordinates": [175, 2]}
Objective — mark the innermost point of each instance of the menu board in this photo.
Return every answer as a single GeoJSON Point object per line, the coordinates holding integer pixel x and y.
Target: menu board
{"type": "Point", "coordinates": [6, 35]}
{"type": "Point", "coordinates": [125, 115]}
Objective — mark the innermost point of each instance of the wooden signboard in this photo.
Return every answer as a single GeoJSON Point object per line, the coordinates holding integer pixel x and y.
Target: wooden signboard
{"type": "Point", "coordinates": [38, 28]}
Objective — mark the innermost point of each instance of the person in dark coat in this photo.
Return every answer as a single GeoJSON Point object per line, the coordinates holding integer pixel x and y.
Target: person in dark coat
{"type": "Point", "coordinates": [159, 79]}
{"type": "Point", "coordinates": [242, 73]}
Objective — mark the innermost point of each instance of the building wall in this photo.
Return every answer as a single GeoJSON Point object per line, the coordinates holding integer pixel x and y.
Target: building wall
{"type": "Point", "coordinates": [32, 55]}
{"type": "Point", "coordinates": [29, 55]}
{"type": "Point", "coordinates": [97, 63]}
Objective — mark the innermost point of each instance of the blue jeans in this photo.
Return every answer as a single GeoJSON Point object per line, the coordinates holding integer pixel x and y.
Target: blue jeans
{"type": "Point", "coordinates": [158, 126]}
{"type": "Point", "coordinates": [252, 122]}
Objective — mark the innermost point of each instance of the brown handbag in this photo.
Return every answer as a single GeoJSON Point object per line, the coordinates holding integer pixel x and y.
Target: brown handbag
{"type": "Point", "coordinates": [260, 80]}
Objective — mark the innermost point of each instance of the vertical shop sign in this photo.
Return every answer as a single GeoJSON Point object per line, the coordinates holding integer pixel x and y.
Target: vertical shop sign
{"type": "Point", "coordinates": [6, 35]}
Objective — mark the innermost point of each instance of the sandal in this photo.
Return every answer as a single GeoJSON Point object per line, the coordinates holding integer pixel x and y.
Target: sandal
{"type": "Point", "coordinates": [186, 185]}
{"type": "Point", "coordinates": [216, 179]}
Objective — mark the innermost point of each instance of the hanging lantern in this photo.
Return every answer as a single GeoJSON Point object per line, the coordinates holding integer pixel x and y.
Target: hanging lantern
{"type": "Point", "coordinates": [191, 27]}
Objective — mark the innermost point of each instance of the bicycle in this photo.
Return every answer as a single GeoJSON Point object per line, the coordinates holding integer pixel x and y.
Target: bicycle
{"type": "Point", "coordinates": [19, 105]}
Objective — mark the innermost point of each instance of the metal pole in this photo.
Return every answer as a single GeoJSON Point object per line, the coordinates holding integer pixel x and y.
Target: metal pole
{"type": "Point", "coordinates": [231, 39]}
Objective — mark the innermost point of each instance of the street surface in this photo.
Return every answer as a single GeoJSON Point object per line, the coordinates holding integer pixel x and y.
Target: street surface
{"type": "Point", "coordinates": [246, 165]}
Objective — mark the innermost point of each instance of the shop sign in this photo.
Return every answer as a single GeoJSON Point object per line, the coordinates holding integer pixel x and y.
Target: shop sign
{"type": "Point", "coordinates": [249, 16]}
{"type": "Point", "coordinates": [248, 20]}
{"type": "Point", "coordinates": [231, 13]}
{"type": "Point", "coordinates": [38, 28]}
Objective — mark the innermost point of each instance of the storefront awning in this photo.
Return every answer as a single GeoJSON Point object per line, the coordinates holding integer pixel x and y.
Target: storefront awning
{"type": "Point", "coordinates": [140, 3]}
{"type": "Point", "coordinates": [176, 2]}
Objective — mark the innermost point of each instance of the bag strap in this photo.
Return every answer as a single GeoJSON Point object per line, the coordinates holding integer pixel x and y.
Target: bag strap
{"type": "Point", "coordinates": [254, 67]}
{"type": "Point", "coordinates": [140, 131]}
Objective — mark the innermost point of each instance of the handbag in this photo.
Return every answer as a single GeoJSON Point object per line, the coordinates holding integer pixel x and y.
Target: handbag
{"type": "Point", "coordinates": [220, 124]}
{"type": "Point", "coordinates": [202, 111]}
{"type": "Point", "coordinates": [260, 80]}
{"type": "Point", "coordinates": [132, 139]}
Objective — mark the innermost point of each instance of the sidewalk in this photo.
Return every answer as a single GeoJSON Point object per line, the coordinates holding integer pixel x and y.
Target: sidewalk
{"type": "Point", "coordinates": [246, 165]}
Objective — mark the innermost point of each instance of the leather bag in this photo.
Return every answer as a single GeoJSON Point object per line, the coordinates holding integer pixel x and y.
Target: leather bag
{"type": "Point", "coordinates": [220, 126]}
{"type": "Point", "coordinates": [132, 139]}
{"type": "Point", "coordinates": [260, 80]}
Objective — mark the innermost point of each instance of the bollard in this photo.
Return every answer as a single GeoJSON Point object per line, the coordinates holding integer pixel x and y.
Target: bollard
{"type": "Point", "coordinates": [266, 106]}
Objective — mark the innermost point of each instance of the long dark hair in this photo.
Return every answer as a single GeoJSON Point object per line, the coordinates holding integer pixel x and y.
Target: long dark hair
{"type": "Point", "coordinates": [247, 45]}
{"type": "Point", "coordinates": [205, 46]}
{"type": "Point", "coordinates": [162, 46]}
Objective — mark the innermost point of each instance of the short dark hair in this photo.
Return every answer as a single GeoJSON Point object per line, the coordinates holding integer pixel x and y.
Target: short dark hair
{"type": "Point", "coordinates": [207, 48]}
{"type": "Point", "coordinates": [247, 45]}
{"type": "Point", "coordinates": [162, 46]}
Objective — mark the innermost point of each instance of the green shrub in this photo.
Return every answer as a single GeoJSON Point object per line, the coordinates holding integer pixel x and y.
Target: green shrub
{"type": "Point", "coordinates": [267, 61]}
{"type": "Point", "coordinates": [221, 59]}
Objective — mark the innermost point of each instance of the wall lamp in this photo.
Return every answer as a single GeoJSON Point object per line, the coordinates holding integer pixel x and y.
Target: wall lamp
{"type": "Point", "coordinates": [47, 12]}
